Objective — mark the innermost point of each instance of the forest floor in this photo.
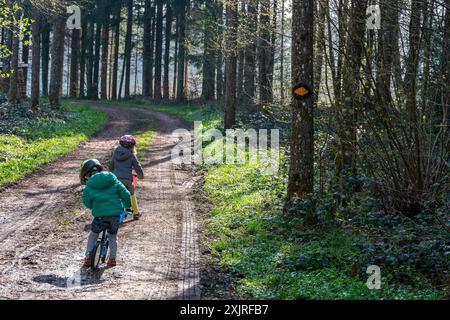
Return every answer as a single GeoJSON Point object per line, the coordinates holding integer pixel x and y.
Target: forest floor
{"type": "Point", "coordinates": [43, 226]}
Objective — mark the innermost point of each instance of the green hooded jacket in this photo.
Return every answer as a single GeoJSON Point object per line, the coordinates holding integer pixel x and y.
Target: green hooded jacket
{"type": "Point", "coordinates": [106, 195]}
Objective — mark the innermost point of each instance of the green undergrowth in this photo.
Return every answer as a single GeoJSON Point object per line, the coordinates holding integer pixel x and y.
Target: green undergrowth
{"type": "Point", "coordinates": [145, 139]}
{"type": "Point", "coordinates": [29, 140]}
{"type": "Point", "coordinates": [277, 255]}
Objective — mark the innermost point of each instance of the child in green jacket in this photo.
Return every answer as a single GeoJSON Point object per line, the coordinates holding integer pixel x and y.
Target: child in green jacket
{"type": "Point", "coordinates": [107, 197]}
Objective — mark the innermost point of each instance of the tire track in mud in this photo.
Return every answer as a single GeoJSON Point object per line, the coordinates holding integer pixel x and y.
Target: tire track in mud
{"type": "Point", "coordinates": [43, 227]}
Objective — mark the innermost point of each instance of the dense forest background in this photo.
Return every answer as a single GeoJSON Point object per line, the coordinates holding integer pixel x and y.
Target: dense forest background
{"type": "Point", "coordinates": [373, 136]}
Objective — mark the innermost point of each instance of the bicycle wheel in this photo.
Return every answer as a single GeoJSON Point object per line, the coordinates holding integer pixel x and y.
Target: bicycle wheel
{"type": "Point", "coordinates": [96, 256]}
{"type": "Point", "coordinates": [105, 251]}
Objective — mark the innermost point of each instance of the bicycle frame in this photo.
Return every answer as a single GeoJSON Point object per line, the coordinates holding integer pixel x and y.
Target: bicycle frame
{"type": "Point", "coordinates": [104, 241]}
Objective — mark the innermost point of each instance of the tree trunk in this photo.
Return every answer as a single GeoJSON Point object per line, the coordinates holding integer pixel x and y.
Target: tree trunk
{"type": "Point", "coordinates": [209, 72]}
{"type": "Point", "coordinates": [219, 62]}
{"type": "Point", "coordinates": [412, 65]}
{"type": "Point", "coordinates": [25, 58]}
{"type": "Point", "coordinates": [36, 60]}
{"type": "Point", "coordinates": [45, 56]}
{"type": "Point", "coordinates": [13, 92]}
{"type": "Point", "coordinates": [350, 88]}
{"type": "Point", "coordinates": [175, 61]}
{"type": "Point", "coordinates": [6, 62]}
{"type": "Point", "coordinates": [389, 18]}
{"type": "Point", "coordinates": [265, 89]}
{"type": "Point", "coordinates": [83, 57]}
{"type": "Point", "coordinates": [445, 68]}
{"type": "Point", "coordinates": [241, 56]}
{"type": "Point", "coordinates": [158, 50]}
{"type": "Point", "coordinates": [250, 54]}
{"type": "Point", "coordinates": [146, 54]}
{"type": "Point", "coordinates": [98, 39]}
{"type": "Point", "coordinates": [90, 58]}
{"type": "Point", "coordinates": [273, 35]}
{"type": "Point", "coordinates": [231, 65]}
{"type": "Point", "coordinates": [181, 94]}
{"type": "Point", "coordinates": [282, 53]}
{"type": "Point", "coordinates": [320, 37]}
{"type": "Point", "coordinates": [27, 13]}
{"type": "Point", "coordinates": [116, 50]}
{"type": "Point", "coordinates": [168, 36]}
{"type": "Point", "coordinates": [57, 61]}
{"type": "Point", "coordinates": [301, 170]}
{"type": "Point", "coordinates": [128, 48]}
{"type": "Point", "coordinates": [105, 55]}
{"type": "Point", "coordinates": [75, 50]}
{"type": "Point", "coordinates": [147, 58]}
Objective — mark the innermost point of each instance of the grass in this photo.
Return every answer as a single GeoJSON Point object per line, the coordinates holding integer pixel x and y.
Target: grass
{"type": "Point", "coordinates": [45, 140]}
{"type": "Point", "coordinates": [145, 139]}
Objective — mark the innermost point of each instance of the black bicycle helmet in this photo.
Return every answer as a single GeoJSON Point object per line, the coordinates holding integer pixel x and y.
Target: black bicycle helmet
{"type": "Point", "coordinates": [88, 168]}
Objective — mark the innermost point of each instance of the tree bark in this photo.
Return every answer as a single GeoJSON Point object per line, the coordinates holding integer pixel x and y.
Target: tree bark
{"type": "Point", "coordinates": [90, 58]}
{"type": "Point", "coordinates": [265, 89]}
{"type": "Point", "coordinates": [6, 62]}
{"type": "Point", "coordinates": [98, 40]}
{"type": "Point", "coordinates": [273, 36]}
{"type": "Point", "coordinates": [82, 87]}
{"type": "Point", "coordinates": [209, 72]}
{"type": "Point", "coordinates": [36, 60]}
{"type": "Point", "coordinates": [350, 85]}
{"type": "Point", "coordinates": [25, 58]}
{"type": "Point", "coordinates": [74, 59]}
{"type": "Point", "coordinates": [57, 61]}
{"type": "Point", "coordinates": [250, 54]}
{"type": "Point", "coordinates": [105, 58]}
{"type": "Point", "coordinates": [231, 64]}
{"type": "Point", "coordinates": [301, 170]}
{"type": "Point", "coordinates": [181, 94]}
{"type": "Point", "coordinates": [146, 48]}
{"type": "Point", "coordinates": [115, 66]}
{"type": "Point", "coordinates": [282, 53]}
{"type": "Point", "coordinates": [219, 63]}
{"type": "Point", "coordinates": [45, 56]}
{"type": "Point", "coordinates": [168, 36]}
{"type": "Point", "coordinates": [128, 48]}
{"type": "Point", "coordinates": [158, 50]}
{"type": "Point", "coordinates": [147, 72]}
{"type": "Point", "coordinates": [412, 65]}
{"type": "Point", "coordinates": [175, 61]}
{"type": "Point", "coordinates": [13, 93]}
{"type": "Point", "coordinates": [241, 56]}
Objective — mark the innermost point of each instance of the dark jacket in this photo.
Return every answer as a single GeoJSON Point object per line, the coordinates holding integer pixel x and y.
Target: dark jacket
{"type": "Point", "coordinates": [123, 162]}
{"type": "Point", "coordinates": [106, 195]}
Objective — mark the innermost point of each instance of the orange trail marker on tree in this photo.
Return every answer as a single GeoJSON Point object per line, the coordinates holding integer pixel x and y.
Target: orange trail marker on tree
{"type": "Point", "coordinates": [301, 91]}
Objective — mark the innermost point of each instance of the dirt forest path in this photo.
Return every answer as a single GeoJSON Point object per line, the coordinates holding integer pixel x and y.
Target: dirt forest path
{"type": "Point", "coordinates": [44, 228]}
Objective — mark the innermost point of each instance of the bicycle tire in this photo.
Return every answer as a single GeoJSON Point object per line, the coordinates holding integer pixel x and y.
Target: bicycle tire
{"type": "Point", "coordinates": [96, 256]}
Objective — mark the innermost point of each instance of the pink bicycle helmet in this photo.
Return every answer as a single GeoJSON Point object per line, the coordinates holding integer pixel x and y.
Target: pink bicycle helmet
{"type": "Point", "coordinates": [127, 141]}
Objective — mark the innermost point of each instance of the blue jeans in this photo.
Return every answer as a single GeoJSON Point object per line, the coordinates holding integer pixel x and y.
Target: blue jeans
{"type": "Point", "coordinates": [98, 225]}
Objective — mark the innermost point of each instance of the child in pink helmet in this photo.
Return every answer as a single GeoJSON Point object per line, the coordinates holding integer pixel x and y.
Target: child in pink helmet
{"type": "Point", "coordinates": [122, 164]}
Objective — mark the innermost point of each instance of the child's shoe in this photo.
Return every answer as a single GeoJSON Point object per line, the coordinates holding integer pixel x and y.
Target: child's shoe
{"type": "Point", "coordinates": [87, 263]}
{"type": "Point", "coordinates": [137, 216]}
{"type": "Point", "coordinates": [111, 262]}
